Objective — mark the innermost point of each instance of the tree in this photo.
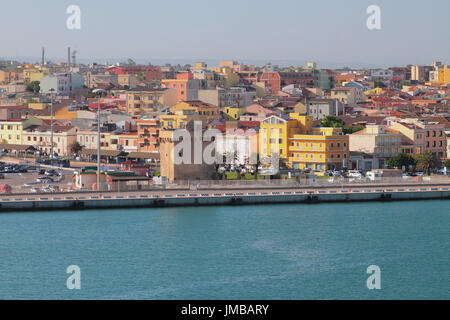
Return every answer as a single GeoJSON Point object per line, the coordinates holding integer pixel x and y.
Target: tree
{"type": "Point", "coordinates": [332, 122]}
{"type": "Point", "coordinates": [352, 129]}
{"type": "Point", "coordinates": [400, 160]}
{"type": "Point", "coordinates": [232, 80]}
{"type": "Point", "coordinates": [75, 147]}
{"type": "Point", "coordinates": [140, 76]}
{"type": "Point", "coordinates": [34, 86]}
{"type": "Point", "coordinates": [131, 62]}
{"type": "Point", "coordinates": [427, 161]}
{"type": "Point", "coordinates": [447, 163]}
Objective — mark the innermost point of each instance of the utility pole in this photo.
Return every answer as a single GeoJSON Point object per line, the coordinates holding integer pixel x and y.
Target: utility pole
{"type": "Point", "coordinates": [98, 93]}
{"type": "Point", "coordinates": [51, 90]}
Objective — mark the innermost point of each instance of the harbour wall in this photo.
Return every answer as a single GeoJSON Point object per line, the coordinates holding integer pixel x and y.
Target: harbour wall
{"type": "Point", "coordinates": [212, 198]}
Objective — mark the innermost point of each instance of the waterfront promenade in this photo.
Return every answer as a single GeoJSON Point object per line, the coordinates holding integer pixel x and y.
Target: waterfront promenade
{"type": "Point", "coordinates": [197, 195]}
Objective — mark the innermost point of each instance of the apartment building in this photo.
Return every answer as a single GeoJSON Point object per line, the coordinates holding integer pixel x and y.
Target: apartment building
{"type": "Point", "coordinates": [324, 149]}
{"type": "Point", "coordinates": [185, 85]}
{"type": "Point", "coordinates": [139, 102]}
{"type": "Point", "coordinates": [233, 97]}
{"type": "Point", "coordinates": [374, 139]}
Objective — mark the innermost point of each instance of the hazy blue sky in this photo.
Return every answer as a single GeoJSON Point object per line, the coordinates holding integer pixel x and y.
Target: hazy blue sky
{"type": "Point", "coordinates": [331, 32]}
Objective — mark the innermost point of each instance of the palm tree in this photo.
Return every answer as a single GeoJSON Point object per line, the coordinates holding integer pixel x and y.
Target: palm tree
{"type": "Point", "coordinates": [427, 161]}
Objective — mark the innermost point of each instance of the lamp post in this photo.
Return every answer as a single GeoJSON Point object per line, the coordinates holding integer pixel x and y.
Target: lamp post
{"type": "Point", "coordinates": [51, 90]}
{"type": "Point", "coordinates": [98, 93]}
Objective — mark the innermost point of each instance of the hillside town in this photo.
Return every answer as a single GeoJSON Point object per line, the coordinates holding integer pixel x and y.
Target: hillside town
{"type": "Point", "coordinates": [310, 119]}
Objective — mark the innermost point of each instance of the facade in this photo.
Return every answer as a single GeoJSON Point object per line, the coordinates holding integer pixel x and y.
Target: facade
{"type": "Point", "coordinates": [140, 102]}
{"type": "Point", "coordinates": [238, 144]}
{"type": "Point", "coordinates": [11, 131]}
{"type": "Point", "coordinates": [148, 132]}
{"type": "Point", "coordinates": [444, 75]}
{"type": "Point", "coordinates": [324, 79]}
{"type": "Point", "coordinates": [236, 97]}
{"type": "Point", "coordinates": [348, 96]}
{"type": "Point", "coordinates": [127, 80]}
{"type": "Point", "coordinates": [324, 149]}
{"type": "Point", "coordinates": [60, 82]}
{"type": "Point", "coordinates": [8, 76]}
{"type": "Point", "coordinates": [320, 108]}
{"type": "Point", "coordinates": [185, 85]}
{"type": "Point", "coordinates": [275, 132]}
{"type": "Point", "coordinates": [183, 112]}
{"type": "Point", "coordinates": [40, 138]}
{"type": "Point", "coordinates": [302, 79]}
{"type": "Point", "coordinates": [88, 139]}
{"type": "Point", "coordinates": [374, 139]}
{"type": "Point", "coordinates": [173, 170]}
{"type": "Point", "coordinates": [128, 142]}
{"type": "Point", "coordinates": [272, 82]}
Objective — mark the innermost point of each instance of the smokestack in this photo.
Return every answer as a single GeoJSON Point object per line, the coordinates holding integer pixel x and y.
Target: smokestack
{"type": "Point", "coordinates": [43, 56]}
{"type": "Point", "coordinates": [68, 59]}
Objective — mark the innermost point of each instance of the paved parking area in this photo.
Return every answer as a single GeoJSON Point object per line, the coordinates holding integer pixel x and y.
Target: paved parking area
{"type": "Point", "coordinates": [23, 182]}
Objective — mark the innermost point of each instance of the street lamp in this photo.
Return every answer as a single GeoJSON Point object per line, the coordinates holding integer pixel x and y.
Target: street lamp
{"type": "Point", "coordinates": [51, 90]}
{"type": "Point", "coordinates": [98, 93]}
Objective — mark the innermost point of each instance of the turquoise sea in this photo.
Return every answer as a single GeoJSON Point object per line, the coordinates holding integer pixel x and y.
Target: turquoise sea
{"type": "Point", "coordinates": [316, 251]}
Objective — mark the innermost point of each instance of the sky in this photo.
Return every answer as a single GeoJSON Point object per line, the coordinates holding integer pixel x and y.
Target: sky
{"type": "Point", "coordinates": [332, 33]}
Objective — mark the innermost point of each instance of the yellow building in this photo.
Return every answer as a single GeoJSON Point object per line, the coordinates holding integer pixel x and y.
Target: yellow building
{"type": "Point", "coordinates": [141, 101]}
{"type": "Point", "coordinates": [11, 131]}
{"type": "Point", "coordinates": [33, 73]}
{"type": "Point", "coordinates": [444, 75]}
{"type": "Point", "coordinates": [324, 149]}
{"type": "Point", "coordinates": [275, 132]}
{"type": "Point", "coordinates": [234, 112]}
{"type": "Point", "coordinates": [183, 112]}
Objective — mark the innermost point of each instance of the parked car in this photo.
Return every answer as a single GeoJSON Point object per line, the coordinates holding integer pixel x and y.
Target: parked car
{"type": "Point", "coordinates": [2, 176]}
{"type": "Point", "coordinates": [420, 174]}
{"type": "Point", "coordinates": [44, 180]}
{"type": "Point", "coordinates": [355, 174]}
{"type": "Point", "coordinates": [51, 173]}
{"type": "Point", "coordinates": [50, 189]}
{"type": "Point", "coordinates": [35, 190]}
{"type": "Point", "coordinates": [372, 175]}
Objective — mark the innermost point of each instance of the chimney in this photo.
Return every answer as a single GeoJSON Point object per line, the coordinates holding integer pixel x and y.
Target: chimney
{"type": "Point", "coordinates": [43, 56]}
{"type": "Point", "coordinates": [68, 59]}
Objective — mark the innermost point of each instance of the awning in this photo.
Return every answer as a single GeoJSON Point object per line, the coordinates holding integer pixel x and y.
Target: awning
{"type": "Point", "coordinates": [103, 152]}
{"type": "Point", "coordinates": [17, 147]}
{"type": "Point", "coordinates": [143, 155]}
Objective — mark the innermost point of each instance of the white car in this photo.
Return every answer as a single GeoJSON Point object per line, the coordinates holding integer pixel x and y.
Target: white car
{"type": "Point", "coordinates": [355, 174]}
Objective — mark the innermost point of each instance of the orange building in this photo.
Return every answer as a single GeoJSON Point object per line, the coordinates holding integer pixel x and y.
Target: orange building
{"type": "Point", "coordinates": [148, 131]}
{"type": "Point", "coordinates": [128, 141]}
{"type": "Point", "coordinates": [186, 86]}
{"type": "Point", "coordinates": [272, 81]}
